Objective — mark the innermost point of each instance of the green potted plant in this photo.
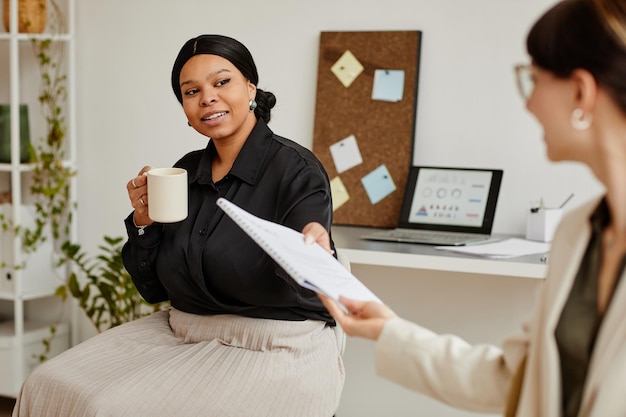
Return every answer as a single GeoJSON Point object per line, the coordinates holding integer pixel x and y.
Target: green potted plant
{"type": "Point", "coordinates": [102, 288]}
{"type": "Point", "coordinates": [108, 295]}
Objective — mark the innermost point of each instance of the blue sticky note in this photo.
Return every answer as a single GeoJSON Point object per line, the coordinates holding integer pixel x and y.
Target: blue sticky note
{"type": "Point", "coordinates": [388, 85]}
{"type": "Point", "coordinates": [378, 184]}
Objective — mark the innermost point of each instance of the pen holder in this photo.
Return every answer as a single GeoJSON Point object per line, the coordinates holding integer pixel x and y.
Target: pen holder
{"type": "Point", "coordinates": [542, 223]}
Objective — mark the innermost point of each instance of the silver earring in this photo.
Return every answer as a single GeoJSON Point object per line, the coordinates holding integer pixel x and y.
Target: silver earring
{"type": "Point", "coordinates": [581, 120]}
{"type": "Point", "coordinates": [253, 105]}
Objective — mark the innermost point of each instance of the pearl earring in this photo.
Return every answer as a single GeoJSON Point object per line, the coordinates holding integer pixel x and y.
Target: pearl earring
{"type": "Point", "coordinates": [253, 105]}
{"type": "Point", "coordinates": [581, 120]}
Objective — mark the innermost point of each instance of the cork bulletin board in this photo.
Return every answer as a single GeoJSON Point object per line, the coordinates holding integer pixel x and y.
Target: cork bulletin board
{"type": "Point", "coordinates": [365, 115]}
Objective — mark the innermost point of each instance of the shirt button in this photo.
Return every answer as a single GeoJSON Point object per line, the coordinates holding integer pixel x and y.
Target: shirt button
{"type": "Point", "coordinates": [143, 264]}
{"type": "Point", "coordinates": [201, 232]}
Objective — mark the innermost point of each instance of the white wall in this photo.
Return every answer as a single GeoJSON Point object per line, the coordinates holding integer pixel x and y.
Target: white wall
{"type": "Point", "coordinates": [469, 113]}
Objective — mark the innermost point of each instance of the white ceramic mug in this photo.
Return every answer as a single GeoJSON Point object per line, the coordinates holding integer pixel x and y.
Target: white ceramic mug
{"type": "Point", "coordinates": [167, 194]}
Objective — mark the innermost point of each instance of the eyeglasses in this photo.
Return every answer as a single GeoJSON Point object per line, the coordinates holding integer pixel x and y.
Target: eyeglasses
{"type": "Point", "coordinates": [525, 80]}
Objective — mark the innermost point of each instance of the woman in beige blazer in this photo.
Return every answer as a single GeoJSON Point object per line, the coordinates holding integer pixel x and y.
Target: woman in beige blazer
{"type": "Point", "coordinates": [573, 350]}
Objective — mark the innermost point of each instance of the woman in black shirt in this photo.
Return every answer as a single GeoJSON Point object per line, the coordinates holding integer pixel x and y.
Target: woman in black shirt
{"type": "Point", "coordinates": [241, 337]}
{"type": "Point", "coordinates": [206, 265]}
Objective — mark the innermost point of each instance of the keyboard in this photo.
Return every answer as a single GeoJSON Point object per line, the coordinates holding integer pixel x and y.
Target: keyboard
{"type": "Point", "coordinates": [427, 237]}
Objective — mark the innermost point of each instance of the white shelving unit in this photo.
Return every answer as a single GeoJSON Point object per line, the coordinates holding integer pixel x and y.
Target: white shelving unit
{"type": "Point", "coordinates": [27, 302]}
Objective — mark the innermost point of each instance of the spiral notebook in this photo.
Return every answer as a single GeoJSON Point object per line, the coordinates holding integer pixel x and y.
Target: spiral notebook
{"type": "Point", "coordinates": [308, 264]}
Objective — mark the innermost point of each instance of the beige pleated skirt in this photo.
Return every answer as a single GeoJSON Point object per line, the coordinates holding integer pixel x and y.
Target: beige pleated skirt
{"type": "Point", "coordinates": [178, 364]}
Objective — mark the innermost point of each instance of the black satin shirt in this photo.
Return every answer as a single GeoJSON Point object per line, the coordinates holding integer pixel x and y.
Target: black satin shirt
{"type": "Point", "coordinates": [206, 264]}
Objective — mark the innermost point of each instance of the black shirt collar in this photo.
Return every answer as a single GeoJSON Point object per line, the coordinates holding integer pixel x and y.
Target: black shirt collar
{"type": "Point", "coordinates": [249, 162]}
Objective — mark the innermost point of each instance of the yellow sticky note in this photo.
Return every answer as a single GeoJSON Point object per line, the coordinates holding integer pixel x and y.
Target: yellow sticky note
{"type": "Point", "coordinates": [339, 193]}
{"type": "Point", "coordinates": [347, 68]}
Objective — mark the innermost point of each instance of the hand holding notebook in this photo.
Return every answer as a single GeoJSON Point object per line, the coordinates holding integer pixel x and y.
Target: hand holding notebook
{"type": "Point", "coordinates": [308, 264]}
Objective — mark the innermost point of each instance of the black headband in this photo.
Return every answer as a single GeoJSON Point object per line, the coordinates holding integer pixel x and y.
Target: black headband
{"type": "Point", "coordinates": [224, 46]}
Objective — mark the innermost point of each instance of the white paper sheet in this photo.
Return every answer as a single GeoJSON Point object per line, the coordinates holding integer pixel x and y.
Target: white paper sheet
{"type": "Point", "coordinates": [507, 248]}
{"type": "Point", "coordinates": [346, 154]}
{"type": "Point", "coordinates": [308, 264]}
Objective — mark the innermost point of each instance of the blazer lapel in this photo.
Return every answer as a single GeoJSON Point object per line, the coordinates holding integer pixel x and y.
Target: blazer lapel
{"type": "Point", "coordinates": [611, 337]}
{"type": "Point", "coordinates": [564, 264]}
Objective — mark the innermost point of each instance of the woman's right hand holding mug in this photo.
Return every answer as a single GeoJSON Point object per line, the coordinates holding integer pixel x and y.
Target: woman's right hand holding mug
{"type": "Point", "coordinates": [138, 194]}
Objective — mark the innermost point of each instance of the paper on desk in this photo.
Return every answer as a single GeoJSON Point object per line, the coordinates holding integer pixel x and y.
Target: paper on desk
{"type": "Point", "coordinates": [507, 248]}
{"type": "Point", "coordinates": [308, 264]}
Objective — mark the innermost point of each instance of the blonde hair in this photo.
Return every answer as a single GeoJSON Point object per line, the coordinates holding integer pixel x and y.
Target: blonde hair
{"type": "Point", "coordinates": [613, 13]}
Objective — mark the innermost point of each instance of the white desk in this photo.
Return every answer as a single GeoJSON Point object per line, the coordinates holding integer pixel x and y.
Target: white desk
{"type": "Point", "coordinates": [481, 300]}
{"type": "Point", "coordinates": [408, 255]}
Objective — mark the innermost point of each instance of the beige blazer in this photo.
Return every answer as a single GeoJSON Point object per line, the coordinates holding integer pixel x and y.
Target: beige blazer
{"type": "Point", "coordinates": [477, 378]}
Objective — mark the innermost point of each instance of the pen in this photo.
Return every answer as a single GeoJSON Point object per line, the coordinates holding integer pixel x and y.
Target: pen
{"type": "Point", "coordinates": [566, 200]}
